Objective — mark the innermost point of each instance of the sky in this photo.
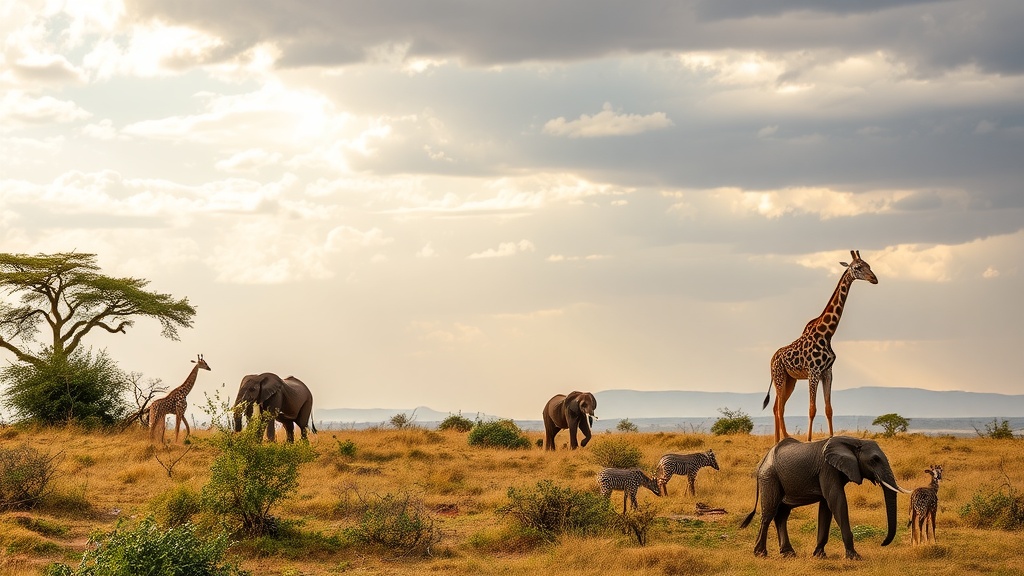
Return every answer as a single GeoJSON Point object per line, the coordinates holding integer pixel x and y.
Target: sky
{"type": "Point", "coordinates": [475, 205]}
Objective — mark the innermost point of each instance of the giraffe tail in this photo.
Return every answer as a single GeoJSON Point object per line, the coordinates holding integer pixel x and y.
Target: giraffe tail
{"type": "Point", "coordinates": [767, 397]}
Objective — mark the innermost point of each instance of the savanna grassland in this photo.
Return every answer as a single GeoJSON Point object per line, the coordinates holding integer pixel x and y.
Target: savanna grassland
{"type": "Point", "coordinates": [103, 477]}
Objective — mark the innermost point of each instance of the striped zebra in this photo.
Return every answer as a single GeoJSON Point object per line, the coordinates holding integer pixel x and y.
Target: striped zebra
{"type": "Point", "coordinates": [924, 503]}
{"type": "Point", "coordinates": [688, 464]}
{"type": "Point", "coordinates": [628, 480]}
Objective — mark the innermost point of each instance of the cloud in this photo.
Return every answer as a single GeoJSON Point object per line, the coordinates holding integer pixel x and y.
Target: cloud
{"type": "Point", "coordinates": [248, 160]}
{"type": "Point", "coordinates": [504, 250]}
{"type": "Point", "coordinates": [607, 123]}
{"type": "Point", "coordinates": [20, 108]}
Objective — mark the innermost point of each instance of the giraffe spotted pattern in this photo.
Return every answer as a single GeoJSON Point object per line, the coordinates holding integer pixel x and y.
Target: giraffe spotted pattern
{"type": "Point", "coordinates": [924, 504]}
{"type": "Point", "coordinates": [629, 480]}
{"type": "Point", "coordinates": [683, 464]}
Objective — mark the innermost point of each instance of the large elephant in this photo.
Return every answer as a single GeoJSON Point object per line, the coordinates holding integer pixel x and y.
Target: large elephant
{"type": "Point", "coordinates": [574, 411]}
{"type": "Point", "coordinates": [795, 473]}
{"type": "Point", "coordinates": [288, 401]}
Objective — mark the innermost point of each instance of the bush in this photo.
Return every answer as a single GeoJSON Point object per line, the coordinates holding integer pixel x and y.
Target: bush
{"type": "Point", "coordinates": [25, 475]}
{"type": "Point", "coordinates": [402, 421]}
{"type": "Point", "coordinates": [616, 453]}
{"type": "Point", "coordinates": [456, 422]}
{"type": "Point", "coordinates": [989, 508]}
{"type": "Point", "coordinates": [997, 431]}
{"type": "Point", "coordinates": [891, 424]}
{"type": "Point", "coordinates": [637, 523]}
{"type": "Point", "coordinates": [346, 449]}
{"type": "Point", "coordinates": [552, 510]}
{"type": "Point", "coordinates": [145, 549]}
{"type": "Point", "coordinates": [177, 506]}
{"type": "Point", "coordinates": [732, 422]}
{"type": "Point", "coordinates": [249, 477]}
{"type": "Point", "coordinates": [77, 388]}
{"type": "Point", "coordinates": [498, 434]}
{"type": "Point", "coordinates": [397, 523]}
{"type": "Point", "coordinates": [625, 425]}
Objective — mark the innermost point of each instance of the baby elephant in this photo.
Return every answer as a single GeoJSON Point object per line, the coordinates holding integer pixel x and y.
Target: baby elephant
{"type": "Point", "coordinates": [628, 480]}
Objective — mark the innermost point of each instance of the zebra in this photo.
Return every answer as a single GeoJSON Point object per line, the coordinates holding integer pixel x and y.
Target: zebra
{"type": "Point", "coordinates": [688, 464]}
{"type": "Point", "coordinates": [628, 480]}
{"type": "Point", "coordinates": [924, 503]}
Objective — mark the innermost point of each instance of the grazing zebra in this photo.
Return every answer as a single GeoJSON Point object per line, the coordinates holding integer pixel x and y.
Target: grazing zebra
{"type": "Point", "coordinates": [688, 464]}
{"type": "Point", "coordinates": [924, 503]}
{"type": "Point", "coordinates": [628, 480]}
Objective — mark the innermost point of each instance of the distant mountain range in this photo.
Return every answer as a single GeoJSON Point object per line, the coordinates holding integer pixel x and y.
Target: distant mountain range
{"type": "Point", "coordinates": [866, 402]}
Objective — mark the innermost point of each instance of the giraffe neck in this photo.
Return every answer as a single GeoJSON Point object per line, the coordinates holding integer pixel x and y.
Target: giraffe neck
{"type": "Point", "coordinates": [187, 385]}
{"type": "Point", "coordinates": [829, 317]}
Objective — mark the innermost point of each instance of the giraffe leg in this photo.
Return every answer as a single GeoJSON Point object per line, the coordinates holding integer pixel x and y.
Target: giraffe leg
{"type": "Point", "coordinates": [188, 431]}
{"type": "Point", "coordinates": [782, 394]}
{"type": "Point", "coordinates": [812, 409]}
{"type": "Point", "coordinates": [826, 391]}
{"type": "Point", "coordinates": [177, 426]}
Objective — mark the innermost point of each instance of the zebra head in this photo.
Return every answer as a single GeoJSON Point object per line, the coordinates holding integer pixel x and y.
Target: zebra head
{"type": "Point", "coordinates": [712, 461]}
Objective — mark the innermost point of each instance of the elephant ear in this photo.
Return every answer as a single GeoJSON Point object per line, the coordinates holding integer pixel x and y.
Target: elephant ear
{"type": "Point", "coordinates": [843, 457]}
{"type": "Point", "coordinates": [269, 385]}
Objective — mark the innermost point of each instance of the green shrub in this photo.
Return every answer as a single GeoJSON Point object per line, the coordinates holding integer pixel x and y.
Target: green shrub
{"type": "Point", "coordinates": [177, 506]}
{"type": "Point", "coordinates": [456, 422]}
{"type": "Point", "coordinates": [732, 422]}
{"type": "Point", "coordinates": [250, 477]}
{"type": "Point", "coordinates": [77, 388]}
{"type": "Point", "coordinates": [397, 523]}
{"type": "Point", "coordinates": [616, 453]}
{"type": "Point", "coordinates": [346, 449]}
{"type": "Point", "coordinates": [25, 475]}
{"type": "Point", "coordinates": [892, 424]}
{"type": "Point", "coordinates": [145, 549]}
{"type": "Point", "coordinates": [990, 508]}
{"type": "Point", "coordinates": [498, 434]}
{"type": "Point", "coordinates": [637, 523]}
{"type": "Point", "coordinates": [625, 425]}
{"type": "Point", "coordinates": [552, 510]}
{"type": "Point", "coordinates": [403, 421]}
{"type": "Point", "coordinates": [997, 430]}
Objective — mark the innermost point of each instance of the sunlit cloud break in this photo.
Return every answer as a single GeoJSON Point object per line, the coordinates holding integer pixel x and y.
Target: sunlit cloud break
{"type": "Point", "coordinates": [607, 122]}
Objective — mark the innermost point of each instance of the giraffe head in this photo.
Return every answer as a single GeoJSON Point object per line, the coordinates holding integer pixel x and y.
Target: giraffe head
{"type": "Point", "coordinates": [935, 471]}
{"type": "Point", "coordinates": [859, 269]}
{"type": "Point", "coordinates": [201, 363]}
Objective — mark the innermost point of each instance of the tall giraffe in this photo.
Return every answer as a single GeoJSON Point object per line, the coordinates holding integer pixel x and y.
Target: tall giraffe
{"type": "Point", "coordinates": [174, 403]}
{"type": "Point", "coordinates": [810, 357]}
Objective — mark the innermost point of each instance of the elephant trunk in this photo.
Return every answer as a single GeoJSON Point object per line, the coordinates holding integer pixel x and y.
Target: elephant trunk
{"type": "Point", "coordinates": [890, 515]}
{"type": "Point", "coordinates": [239, 408]}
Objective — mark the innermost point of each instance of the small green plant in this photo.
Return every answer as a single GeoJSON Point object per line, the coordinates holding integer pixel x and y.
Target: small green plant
{"type": "Point", "coordinates": [637, 523]}
{"type": "Point", "coordinates": [25, 475]}
{"type": "Point", "coordinates": [552, 510]}
{"type": "Point", "coordinates": [617, 453]}
{"type": "Point", "coordinates": [146, 549]}
{"type": "Point", "coordinates": [997, 430]}
{"type": "Point", "coordinates": [497, 434]}
{"type": "Point", "coordinates": [456, 422]}
{"type": "Point", "coordinates": [1001, 508]}
{"type": "Point", "coordinates": [250, 477]}
{"type": "Point", "coordinates": [177, 506]}
{"type": "Point", "coordinates": [625, 425]}
{"type": "Point", "coordinates": [397, 523]}
{"type": "Point", "coordinates": [346, 449]}
{"type": "Point", "coordinates": [732, 422]}
{"type": "Point", "coordinates": [892, 424]}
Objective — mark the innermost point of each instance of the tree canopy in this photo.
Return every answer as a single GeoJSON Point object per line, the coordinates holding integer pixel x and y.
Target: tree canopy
{"type": "Point", "coordinates": [66, 295]}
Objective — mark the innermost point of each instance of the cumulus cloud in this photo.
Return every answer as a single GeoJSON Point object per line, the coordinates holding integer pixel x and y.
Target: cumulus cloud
{"type": "Point", "coordinates": [18, 107]}
{"type": "Point", "coordinates": [504, 250]}
{"type": "Point", "coordinates": [607, 122]}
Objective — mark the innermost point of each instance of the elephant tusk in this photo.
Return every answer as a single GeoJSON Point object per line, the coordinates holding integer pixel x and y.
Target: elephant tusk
{"type": "Point", "coordinates": [898, 488]}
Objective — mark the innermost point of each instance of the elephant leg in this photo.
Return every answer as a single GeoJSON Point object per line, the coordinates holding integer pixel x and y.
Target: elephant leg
{"type": "Point", "coordinates": [812, 408]}
{"type": "Point", "coordinates": [826, 391]}
{"type": "Point", "coordinates": [769, 507]}
{"type": "Point", "coordinates": [824, 524]}
{"type": "Point", "coordinates": [289, 428]}
{"type": "Point", "coordinates": [549, 437]}
{"type": "Point", "coordinates": [573, 428]}
{"type": "Point", "coordinates": [841, 512]}
{"type": "Point", "coordinates": [782, 528]}
{"type": "Point", "coordinates": [272, 430]}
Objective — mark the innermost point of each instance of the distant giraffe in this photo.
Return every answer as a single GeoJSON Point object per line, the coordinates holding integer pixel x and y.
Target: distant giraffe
{"type": "Point", "coordinates": [810, 357]}
{"type": "Point", "coordinates": [174, 403]}
{"type": "Point", "coordinates": [924, 504]}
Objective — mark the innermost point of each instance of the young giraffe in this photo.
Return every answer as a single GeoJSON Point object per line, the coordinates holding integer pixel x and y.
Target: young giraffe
{"type": "Point", "coordinates": [810, 357]}
{"type": "Point", "coordinates": [924, 504]}
{"type": "Point", "coordinates": [174, 403]}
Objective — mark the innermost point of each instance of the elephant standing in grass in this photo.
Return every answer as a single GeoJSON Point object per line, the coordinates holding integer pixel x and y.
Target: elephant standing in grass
{"type": "Point", "coordinates": [795, 473]}
{"type": "Point", "coordinates": [573, 412]}
{"type": "Point", "coordinates": [288, 401]}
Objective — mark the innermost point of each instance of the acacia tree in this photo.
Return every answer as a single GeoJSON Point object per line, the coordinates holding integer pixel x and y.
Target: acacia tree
{"type": "Point", "coordinates": [66, 297]}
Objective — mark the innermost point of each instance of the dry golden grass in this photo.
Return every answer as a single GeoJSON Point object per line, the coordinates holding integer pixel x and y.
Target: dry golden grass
{"type": "Point", "coordinates": [106, 476]}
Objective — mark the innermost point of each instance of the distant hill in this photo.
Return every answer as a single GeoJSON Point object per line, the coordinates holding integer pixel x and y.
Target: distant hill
{"type": "Point", "coordinates": [866, 401]}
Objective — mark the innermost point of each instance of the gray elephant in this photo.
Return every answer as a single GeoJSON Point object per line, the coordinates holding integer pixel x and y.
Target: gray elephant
{"type": "Point", "coordinates": [574, 411]}
{"type": "Point", "coordinates": [288, 401]}
{"type": "Point", "coordinates": [795, 473]}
